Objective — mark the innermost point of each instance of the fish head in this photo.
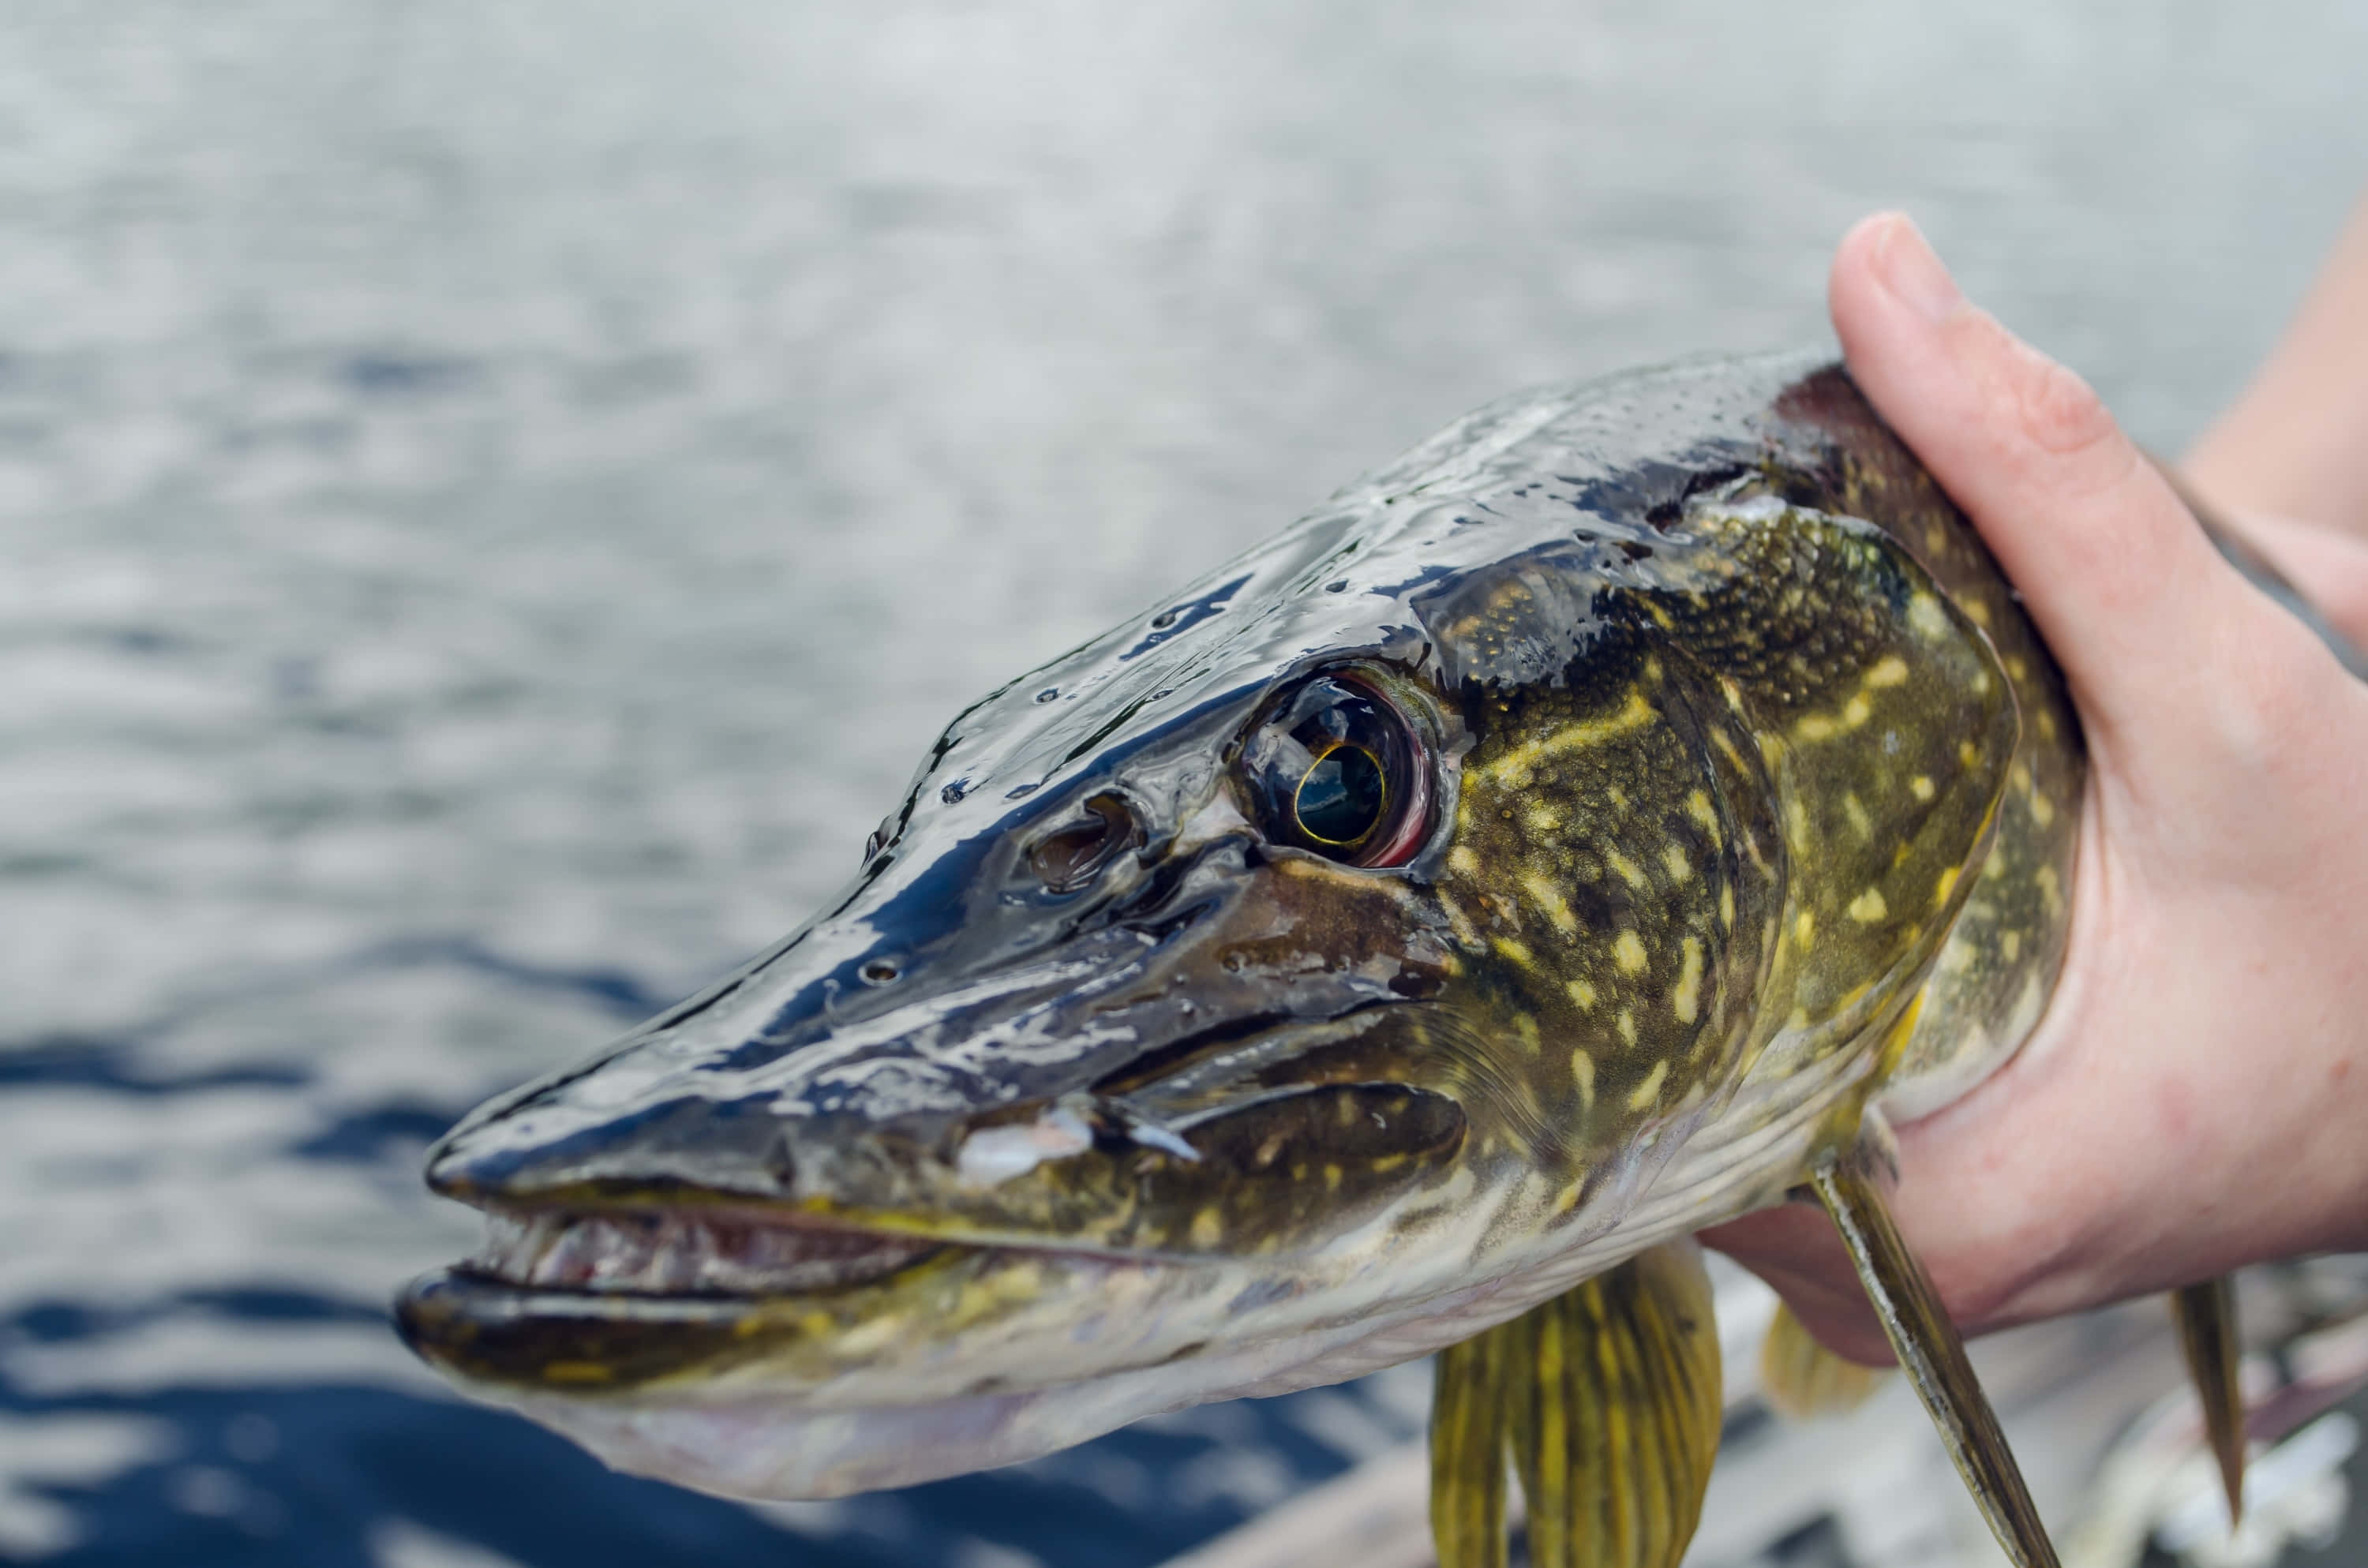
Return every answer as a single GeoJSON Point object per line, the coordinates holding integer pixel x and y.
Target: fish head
{"type": "Point", "coordinates": [1270, 977]}
{"type": "Point", "coordinates": [1175, 1006]}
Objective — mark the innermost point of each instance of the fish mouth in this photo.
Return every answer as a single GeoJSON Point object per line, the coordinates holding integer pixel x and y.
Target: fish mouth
{"type": "Point", "coordinates": [622, 1299]}
{"type": "Point", "coordinates": [670, 1254]}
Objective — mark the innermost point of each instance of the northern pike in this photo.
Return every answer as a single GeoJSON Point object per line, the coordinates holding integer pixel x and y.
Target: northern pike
{"type": "Point", "coordinates": [1581, 832]}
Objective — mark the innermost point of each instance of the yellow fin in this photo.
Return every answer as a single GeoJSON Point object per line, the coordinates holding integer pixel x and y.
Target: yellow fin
{"type": "Point", "coordinates": [1802, 1378]}
{"type": "Point", "coordinates": [1468, 1409]}
{"type": "Point", "coordinates": [1609, 1397]}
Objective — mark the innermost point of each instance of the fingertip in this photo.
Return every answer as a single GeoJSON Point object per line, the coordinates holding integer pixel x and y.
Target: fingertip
{"type": "Point", "coordinates": [2076, 516]}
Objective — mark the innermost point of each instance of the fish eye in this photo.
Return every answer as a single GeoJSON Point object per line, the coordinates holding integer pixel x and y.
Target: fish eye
{"type": "Point", "coordinates": [1341, 796]}
{"type": "Point", "coordinates": [1332, 766]}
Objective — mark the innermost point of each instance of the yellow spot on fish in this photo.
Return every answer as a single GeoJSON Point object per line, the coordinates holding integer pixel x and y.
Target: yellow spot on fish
{"type": "Point", "coordinates": [1966, 753]}
{"type": "Point", "coordinates": [1726, 909]}
{"type": "Point", "coordinates": [1814, 727]}
{"type": "Point", "coordinates": [2046, 725]}
{"type": "Point", "coordinates": [1582, 1073]}
{"type": "Point", "coordinates": [1545, 819]}
{"type": "Point", "coordinates": [1868, 907]}
{"type": "Point", "coordinates": [2043, 809]}
{"type": "Point", "coordinates": [1583, 993]}
{"type": "Point", "coordinates": [2014, 667]}
{"type": "Point", "coordinates": [1462, 862]}
{"type": "Point", "coordinates": [1521, 761]}
{"type": "Point", "coordinates": [1857, 711]}
{"type": "Point", "coordinates": [2010, 944]}
{"type": "Point", "coordinates": [1796, 818]}
{"type": "Point", "coordinates": [1331, 1179]}
{"type": "Point", "coordinates": [1650, 1087]}
{"type": "Point", "coordinates": [1628, 952]}
{"type": "Point", "coordinates": [1516, 952]}
{"type": "Point", "coordinates": [1527, 1027]}
{"type": "Point", "coordinates": [2049, 890]}
{"type": "Point", "coordinates": [1698, 807]}
{"type": "Point", "coordinates": [1208, 1226]}
{"type": "Point", "coordinates": [1859, 821]}
{"type": "Point", "coordinates": [1675, 859]}
{"type": "Point", "coordinates": [1979, 613]}
{"type": "Point", "coordinates": [2020, 777]}
{"type": "Point", "coordinates": [1920, 787]}
{"type": "Point", "coordinates": [1630, 872]}
{"type": "Point", "coordinates": [1627, 1027]}
{"type": "Point", "coordinates": [1889, 670]}
{"type": "Point", "coordinates": [1388, 1163]}
{"type": "Point", "coordinates": [1799, 1020]}
{"type": "Point", "coordinates": [575, 1373]}
{"type": "Point", "coordinates": [1927, 619]}
{"type": "Point", "coordinates": [1805, 926]}
{"type": "Point", "coordinates": [1687, 999]}
{"type": "Point", "coordinates": [1944, 886]}
{"type": "Point", "coordinates": [1548, 897]}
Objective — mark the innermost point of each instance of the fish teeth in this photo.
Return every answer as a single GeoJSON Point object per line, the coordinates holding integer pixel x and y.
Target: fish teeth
{"type": "Point", "coordinates": [682, 1255]}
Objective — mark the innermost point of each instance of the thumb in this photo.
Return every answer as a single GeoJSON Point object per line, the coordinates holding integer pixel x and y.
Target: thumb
{"type": "Point", "coordinates": [2111, 566]}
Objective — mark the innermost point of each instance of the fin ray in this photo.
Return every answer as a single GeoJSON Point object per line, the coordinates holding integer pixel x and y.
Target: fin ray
{"type": "Point", "coordinates": [1933, 1356]}
{"type": "Point", "coordinates": [1467, 1452]}
{"type": "Point", "coordinates": [2206, 1315]}
{"type": "Point", "coordinates": [1615, 1433]}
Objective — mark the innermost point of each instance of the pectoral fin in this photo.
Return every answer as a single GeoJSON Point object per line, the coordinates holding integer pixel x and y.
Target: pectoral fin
{"type": "Point", "coordinates": [1609, 1398]}
{"type": "Point", "coordinates": [1802, 1378]}
{"type": "Point", "coordinates": [1933, 1356]}
{"type": "Point", "coordinates": [2206, 1315]}
{"type": "Point", "coordinates": [1471, 1405]}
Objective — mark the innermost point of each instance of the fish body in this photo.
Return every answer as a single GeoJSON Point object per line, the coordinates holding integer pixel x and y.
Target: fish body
{"type": "Point", "coordinates": [1553, 845]}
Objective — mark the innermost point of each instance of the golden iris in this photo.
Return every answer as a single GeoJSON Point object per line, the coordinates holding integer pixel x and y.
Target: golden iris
{"type": "Point", "coordinates": [1341, 796]}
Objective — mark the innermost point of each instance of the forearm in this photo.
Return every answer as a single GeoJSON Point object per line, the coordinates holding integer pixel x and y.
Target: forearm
{"type": "Point", "coordinates": [2296, 444]}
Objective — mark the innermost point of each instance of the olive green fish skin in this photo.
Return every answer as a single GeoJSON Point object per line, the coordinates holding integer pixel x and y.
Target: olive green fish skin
{"type": "Point", "coordinates": [1748, 800]}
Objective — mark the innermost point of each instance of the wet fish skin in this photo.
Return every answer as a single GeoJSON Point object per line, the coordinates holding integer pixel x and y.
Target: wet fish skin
{"type": "Point", "coordinates": [1746, 801]}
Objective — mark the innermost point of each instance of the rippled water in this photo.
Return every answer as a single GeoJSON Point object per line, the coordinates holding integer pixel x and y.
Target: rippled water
{"type": "Point", "coordinates": [493, 500]}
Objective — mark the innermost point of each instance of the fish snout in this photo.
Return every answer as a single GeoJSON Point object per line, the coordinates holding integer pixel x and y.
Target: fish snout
{"type": "Point", "coordinates": [551, 1153]}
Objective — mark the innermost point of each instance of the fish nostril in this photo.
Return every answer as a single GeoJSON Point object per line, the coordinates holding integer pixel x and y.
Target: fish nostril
{"type": "Point", "coordinates": [1068, 858]}
{"type": "Point", "coordinates": [881, 972]}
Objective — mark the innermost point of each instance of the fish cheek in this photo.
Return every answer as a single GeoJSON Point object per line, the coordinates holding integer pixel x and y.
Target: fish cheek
{"type": "Point", "coordinates": [1292, 1172]}
{"type": "Point", "coordinates": [1611, 840]}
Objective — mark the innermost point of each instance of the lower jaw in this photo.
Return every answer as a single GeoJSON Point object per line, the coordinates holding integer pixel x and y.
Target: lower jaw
{"type": "Point", "coordinates": [753, 1443]}
{"type": "Point", "coordinates": [490, 1332]}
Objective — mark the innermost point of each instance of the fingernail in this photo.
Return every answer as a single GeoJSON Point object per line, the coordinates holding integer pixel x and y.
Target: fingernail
{"type": "Point", "coordinates": [1913, 274]}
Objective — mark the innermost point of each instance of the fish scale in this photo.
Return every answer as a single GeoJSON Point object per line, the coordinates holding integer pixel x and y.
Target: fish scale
{"type": "Point", "coordinates": [1689, 788]}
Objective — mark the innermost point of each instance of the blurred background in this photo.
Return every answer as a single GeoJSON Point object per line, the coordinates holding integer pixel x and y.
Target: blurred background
{"type": "Point", "coordinates": [493, 501]}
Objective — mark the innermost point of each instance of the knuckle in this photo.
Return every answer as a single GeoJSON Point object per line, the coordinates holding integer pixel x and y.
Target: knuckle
{"type": "Point", "coordinates": [2058, 411]}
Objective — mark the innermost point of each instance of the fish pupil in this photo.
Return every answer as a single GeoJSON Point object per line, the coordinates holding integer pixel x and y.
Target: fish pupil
{"type": "Point", "coordinates": [1342, 797]}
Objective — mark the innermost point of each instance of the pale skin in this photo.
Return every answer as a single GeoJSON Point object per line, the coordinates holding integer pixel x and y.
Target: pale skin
{"type": "Point", "coordinates": [2196, 1098]}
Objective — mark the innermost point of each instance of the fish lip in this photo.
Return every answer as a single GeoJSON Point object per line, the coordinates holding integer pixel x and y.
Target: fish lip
{"type": "Point", "coordinates": [495, 1330]}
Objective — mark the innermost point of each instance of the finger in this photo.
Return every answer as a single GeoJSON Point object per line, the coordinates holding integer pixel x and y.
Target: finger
{"type": "Point", "coordinates": [2113, 568]}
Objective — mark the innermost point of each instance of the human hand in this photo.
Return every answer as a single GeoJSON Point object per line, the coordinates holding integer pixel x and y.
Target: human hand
{"type": "Point", "coordinates": [2196, 1096]}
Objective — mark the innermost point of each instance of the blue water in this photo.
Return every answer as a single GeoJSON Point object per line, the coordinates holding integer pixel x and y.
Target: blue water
{"type": "Point", "coordinates": [494, 500]}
